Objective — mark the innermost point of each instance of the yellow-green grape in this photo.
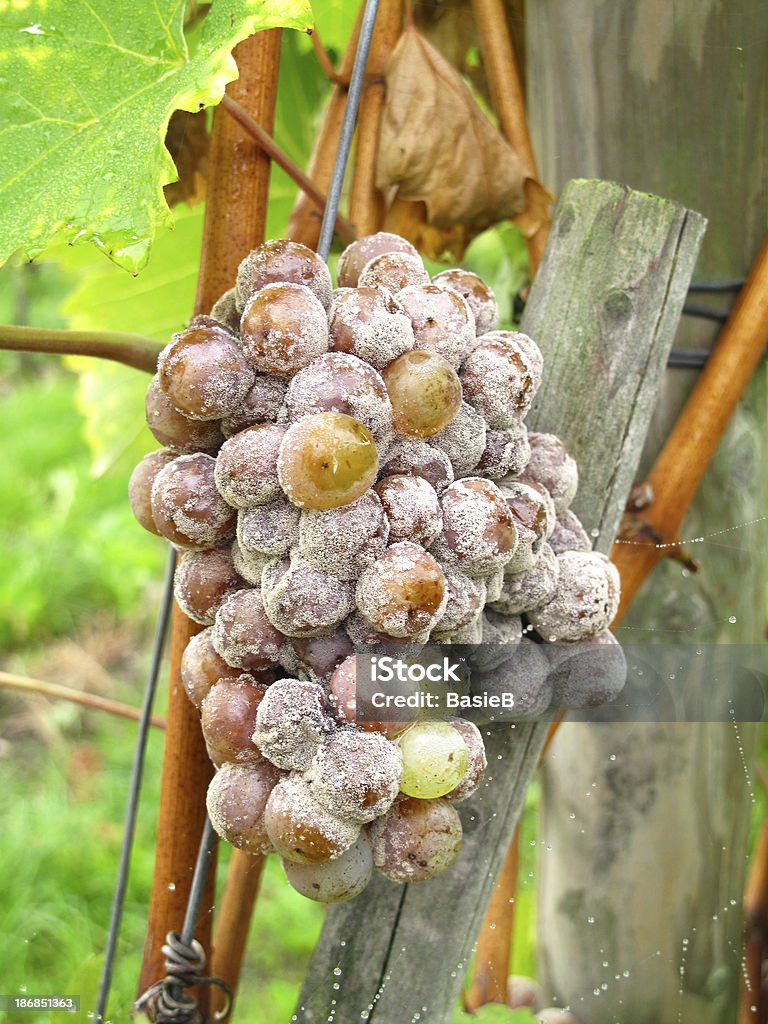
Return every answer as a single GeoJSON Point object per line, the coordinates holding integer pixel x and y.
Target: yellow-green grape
{"type": "Point", "coordinates": [435, 759]}
{"type": "Point", "coordinates": [425, 392]}
{"type": "Point", "coordinates": [327, 460]}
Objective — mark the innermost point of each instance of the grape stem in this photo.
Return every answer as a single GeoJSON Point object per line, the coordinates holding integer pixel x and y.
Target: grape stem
{"type": "Point", "coordinates": [265, 141]}
{"type": "Point", "coordinates": [130, 349]}
{"type": "Point", "coordinates": [86, 700]}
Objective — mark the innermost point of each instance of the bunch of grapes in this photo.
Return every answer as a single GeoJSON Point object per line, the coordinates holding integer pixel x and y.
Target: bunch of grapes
{"type": "Point", "coordinates": [345, 467]}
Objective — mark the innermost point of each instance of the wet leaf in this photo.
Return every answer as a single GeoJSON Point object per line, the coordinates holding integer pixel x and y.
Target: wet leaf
{"type": "Point", "coordinates": [86, 92]}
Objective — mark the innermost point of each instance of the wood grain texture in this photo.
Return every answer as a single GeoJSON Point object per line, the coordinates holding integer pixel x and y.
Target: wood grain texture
{"type": "Point", "coordinates": [402, 950]}
{"type": "Point", "coordinates": [669, 98]}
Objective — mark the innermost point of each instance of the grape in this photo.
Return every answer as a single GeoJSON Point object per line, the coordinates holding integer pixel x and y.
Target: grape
{"type": "Point", "coordinates": [479, 532]}
{"type": "Point", "coordinates": [403, 592]}
{"type": "Point", "coordinates": [204, 373]}
{"type": "Point", "coordinates": [526, 591]}
{"type": "Point", "coordinates": [291, 724]}
{"type": "Point", "coordinates": [361, 251]}
{"type": "Point", "coordinates": [393, 271]}
{"type": "Point", "coordinates": [534, 515]}
{"type": "Point", "coordinates": [342, 695]}
{"type": "Point", "coordinates": [320, 656]}
{"type": "Point", "coordinates": [587, 673]}
{"type": "Point", "coordinates": [435, 759]}
{"type": "Point", "coordinates": [243, 635]}
{"type": "Point", "coordinates": [478, 295]}
{"type": "Point", "coordinates": [553, 1015]}
{"type": "Point", "coordinates": [280, 261]}
{"type": "Point", "coordinates": [186, 506]}
{"type": "Point", "coordinates": [500, 634]}
{"type": "Point", "coordinates": [586, 600]}
{"type": "Point", "coordinates": [140, 487]}
{"type": "Point", "coordinates": [442, 321]}
{"type": "Point", "coordinates": [506, 453]}
{"type": "Point", "coordinates": [269, 530]}
{"type": "Point", "coordinates": [524, 673]}
{"type": "Point", "coordinates": [237, 798]}
{"type": "Point", "coordinates": [369, 323]}
{"type": "Point", "coordinates": [302, 601]}
{"type": "Point", "coordinates": [412, 509]}
{"type": "Point", "coordinates": [569, 534]}
{"type": "Point", "coordinates": [246, 467]}
{"type": "Point", "coordinates": [284, 327]}
{"type": "Point", "coordinates": [345, 541]}
{"type": "Point", "coordinates": [337, 382]}
{"type": "Point", "coordinates": [250, 564]}
{"type": "Point", "coordinates": [476, 760]}
{"type": "Point", "coordinates": [356, 775]}
{"type": "Point", "coordinates": [466, 599]}
{"type": "Point", "coordinates": [228, 718]}
{"type": "Point", "coordinates": [201, 667]}
{"type": "Point", "coordinates": [363, 634]}
{"type": "Point", "coordinates": [327, 460]}
{"type": "Point", "coordinates": [498, 380]}
{"type": "Point", "coordinates": [334, 881]}
{"type": "Point", "coordinates": [225, 310]}
{"type": "Point", "coordinates": [419, 458]}
{"type": "Point", "coordinates": [529, 350]}
{"type": "Point", "coordinates": [551, 466]}
{"type": "Point", "coordinates": [463, 440]}
{"type": "Point", "coordinates": [171, 428]}
{"type": "Point", "coordinates": [425, 393]}
{"type": "Point", "coordinates": [494, 583]}
{"type": "Point", "coordinates": [523, 993]}
{"type": "Point", "coordinates": [416, 839]}
{"type": "Point", "coordinates": [261, 404]}
{"type": "Point", "coordinates": [300, 828]}
{"type": "Point", "coordinates": [202, 582]}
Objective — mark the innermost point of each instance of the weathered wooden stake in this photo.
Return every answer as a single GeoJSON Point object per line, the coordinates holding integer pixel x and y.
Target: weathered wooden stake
{"type": "Point", "coordinates": [603, 308]}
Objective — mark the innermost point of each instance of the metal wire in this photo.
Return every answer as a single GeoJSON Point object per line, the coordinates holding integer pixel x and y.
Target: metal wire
{"type": "Point", "coordinates": [137, 770]}
{"type": "Point", "coordinates": [347, 128]}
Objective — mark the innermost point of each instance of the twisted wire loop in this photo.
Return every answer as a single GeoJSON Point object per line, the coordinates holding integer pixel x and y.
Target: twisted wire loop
{"type": "Point", "coordinates": [168, 998]}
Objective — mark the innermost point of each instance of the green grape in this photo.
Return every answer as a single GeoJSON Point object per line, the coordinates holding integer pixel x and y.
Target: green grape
{"type": "Point", "coordinates": [435, 759]}
{"type": "Point", "coordinates": [425, 393]}
{"type": "Point", "coordinates": [327, 460]}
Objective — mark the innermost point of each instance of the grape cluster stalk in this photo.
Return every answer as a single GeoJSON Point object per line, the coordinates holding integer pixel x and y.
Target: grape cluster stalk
{"type": "Point", "coordinates": [350, 467]}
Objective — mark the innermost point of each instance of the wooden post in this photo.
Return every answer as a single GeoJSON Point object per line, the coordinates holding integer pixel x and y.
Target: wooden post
{"type": "Point", "coordinates": [669, 101]}
{"type": "Point", "coordinates": [603, 308]}
{"type": "Point", "coordinates": [234, 223]}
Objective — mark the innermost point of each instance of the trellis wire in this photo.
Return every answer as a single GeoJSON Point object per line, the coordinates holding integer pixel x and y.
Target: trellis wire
{"type": "Point", "coordinates": [137, 770]}
{"type": "Point", "coordinates": [184, 955]}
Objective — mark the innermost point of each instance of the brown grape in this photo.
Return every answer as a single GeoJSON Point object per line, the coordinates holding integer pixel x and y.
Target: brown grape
{"type": "Point", "coordinates": [327, 460]}
{"type": "Point", "coordinates": [569, 534]}
{"type": "Point", "coordinates": [412, 509]}
{"type": "Point", "coordinates": [284, 327]}
{"type": "Point", "coordinates": [140, 487]}
{"type": "Point", "coordinates": [246, 466]}
{"type": "Point", "coordinates": [466, 599]}
{"type": "Point", "coordinates": [442, 321]}
{"type": "Point", "coordinates": [419, 458]}
{"type": "Point", "coordinates": [363, 634]}
{"type": "Point", "coordinates": [498, 380]}
{"type": "Point", "coordinates": [506, 452]}
{"type": "Point", "coordinates": [356, 774]}
{"type": "Point", "coordinates": [204, 373]}
{"type": "Point", "coordinates": [425, 393]}
{"type": "Point", "coordinates": [532, 588]}
{"type": "Point", "coordinates": [476, 763]}
{"type": "Point", "coordinates": [334, 881]}
{"type": "Point", "coordinates": [551, 466]}
{"type": "Point", "coordinates": [478, 295]}
{"type": "Point", "coordinates": [228, 718]}
{"type": "Point", "coordinates": [261, 404]}
{"type": "Point", "coordinates": [302, 601]}
{"type": "Point", "coordinates": [225, 310]}
{"type": "Point", "coordinates": [281, 261]}
{"type": "Point", "coordinates": [320, 656]}
{"type": "Point", "coordinates": [186, 506]}
{"type": "Point", "coordinates": [172, 429]}
{"type": "Point", "coordinates": [416, 839]}
{"type": "Point", "coordinates": [479, 532]}
{"type": "Point", "coordinates": [586, 600]}
{"type": "Point", "coordinates": [345, 541]}
{"type": "Point", "coordinates": [369, 323]}
{"type": "Point", "coordinates": [203, 581]}
{"type": "Point", "coordinates": [403, 592]}
{"type": "Point", "coordinates": [587, 673]}
{"type": "Point", "coordinates": [361, 251]}
{"type": "Point", "coordinates": [271, 529]}
{"type": "Point", "coordinates": [463, 440]}
{"type": "Point", "coordinates": [243, 635]}
{"type": "Point", "coordinates": [300, 828]}
{"type": "Point", "coordinates": [201, 667]}
{"type": "Point", "coordinates": [292, 722]}
{"type": "Point", "coordinates": [342, 696]}
{"type": "Point", "coordinates": [534, 514]}
{"type": "Point", "coordinates": [250, 564]}
{"type": "Point", "coordinates": [237, 798]}
{"type": "Point", "coordinates": [393, 271]}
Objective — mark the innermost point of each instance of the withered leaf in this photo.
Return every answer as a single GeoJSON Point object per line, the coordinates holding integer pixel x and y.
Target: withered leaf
{"type": "Point", "coordinates": [187, 140]}
{"type": "Point", "coordinates": [437, 145]}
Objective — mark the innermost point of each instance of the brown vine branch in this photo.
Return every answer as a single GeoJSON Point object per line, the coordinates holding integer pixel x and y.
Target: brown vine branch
{"type": "Point", "coordinates": [324, 60]}
{"type": "Point", "coordinates": [366, 203]}
{"type": "Point", "coordinates": [233, 918]}
{"type": "Point", "coordinates": [268, 144]}
{"type": "Point", "coordinates": [304, 222]}
{"type": "Point", "coordinates": [92, 701]}
{"type": "Point", "coordinates": [508, 99]}
{"type": "Point", "coordinates": [677, 472]}
{"type": "Point", "coordinates": [753, 1000]}
{"type": "Point", "coordinates": [130, 349]}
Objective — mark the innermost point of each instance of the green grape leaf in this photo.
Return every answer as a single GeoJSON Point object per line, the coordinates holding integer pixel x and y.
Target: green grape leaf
{"type": "Point", "coordinates": [494, 1013]}
{"type": "Point", "coordinates": [110, 396]}
{"type": "Point", "coordinates": [87, 88]}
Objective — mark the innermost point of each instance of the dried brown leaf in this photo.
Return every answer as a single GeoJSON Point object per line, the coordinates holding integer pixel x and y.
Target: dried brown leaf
{"type": "Point", "coordinates": [409, 219]}
{"type": "Point", "coordinates": [187, 140]}
{"type": "Point", "coordinates": [438, 146]}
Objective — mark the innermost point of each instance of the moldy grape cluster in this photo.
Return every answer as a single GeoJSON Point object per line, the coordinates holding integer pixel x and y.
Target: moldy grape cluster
{"type": "Point", "coordinates": [344, 467]}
